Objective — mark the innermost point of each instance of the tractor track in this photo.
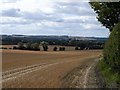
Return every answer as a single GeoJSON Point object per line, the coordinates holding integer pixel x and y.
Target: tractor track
{"type": "Point", "coordinates": [12, 74]}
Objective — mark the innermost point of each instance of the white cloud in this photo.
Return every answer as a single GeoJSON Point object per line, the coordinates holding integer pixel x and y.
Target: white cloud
{"type": "Point", "coordinates": [49, 17]}
{"type": "Point", "coordinates": [8, 1]}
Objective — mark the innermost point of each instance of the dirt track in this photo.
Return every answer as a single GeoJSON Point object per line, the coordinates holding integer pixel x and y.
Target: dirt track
{"type": "Point", "coordinates": [58, 69]}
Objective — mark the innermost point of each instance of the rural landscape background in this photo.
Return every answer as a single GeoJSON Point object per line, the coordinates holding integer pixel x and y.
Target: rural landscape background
{"type": "Point", "coordinates": [60, 44]}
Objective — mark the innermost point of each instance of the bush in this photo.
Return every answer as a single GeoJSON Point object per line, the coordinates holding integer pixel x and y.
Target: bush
{"type": "Point", "coordinates": [10, 48]}
{"type": "Point", "coordinates": [4, 48]}
{"type": "Point", "coordinates": [61, 48]}
{"type": "Point", "coordinates": [14, 47]}
{"type": "Point", "coordinates": [110, 78]}
{"type": "Point", "coordinates": [55, 49]}
{"type": "Point", "coordinates": [81, 48]}
{"type": "Point", "coordinates": [76, 48]}
{"type": "Point", "coordinates": [112, 49]}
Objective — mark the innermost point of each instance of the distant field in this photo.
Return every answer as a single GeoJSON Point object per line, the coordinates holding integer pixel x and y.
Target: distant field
{"type": "Point", "coordinates": [7, 46]}
{"type": "Point", "coordinates": [57, 65]}
{"type": "Point", "coordinates": [50, 47]}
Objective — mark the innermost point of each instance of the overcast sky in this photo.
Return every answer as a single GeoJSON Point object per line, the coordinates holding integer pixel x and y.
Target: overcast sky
{"type": "Point", "coordinates": [50, 17]}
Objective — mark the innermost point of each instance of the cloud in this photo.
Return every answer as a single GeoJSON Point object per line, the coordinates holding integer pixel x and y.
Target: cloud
{"type": "Point", "coordinates": [74, 8]}
{"type": "Point", "coordinates": [80, 19]}
{"type": "Point", "coordinates": [39, 16]}
{"type": "Point", "coordinates": [9, 1]}
{"type": "Point", "coordinates": [50, 18]}
{"type": "Point", "coordinates": [15, 21]}
{"type": "Point", "coordinates": [11, 12]}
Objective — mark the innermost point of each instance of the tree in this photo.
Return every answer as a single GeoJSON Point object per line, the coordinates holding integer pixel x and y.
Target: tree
{"type": "Point", "coordinates": [44, 45]}
{"type": "Point", "coordinates": [108, 13]}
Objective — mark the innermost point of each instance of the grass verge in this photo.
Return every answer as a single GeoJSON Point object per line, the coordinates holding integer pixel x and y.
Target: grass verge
{"type": "Point", "coordinates": [112, 79]}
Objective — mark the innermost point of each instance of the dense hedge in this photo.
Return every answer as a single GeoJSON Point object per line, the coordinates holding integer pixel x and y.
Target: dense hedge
{"type": "Point", "coordinates": [112, 50]}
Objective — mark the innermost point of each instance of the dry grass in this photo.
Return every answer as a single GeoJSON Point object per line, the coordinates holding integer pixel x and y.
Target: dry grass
{"type": "Point", "coordinates": [46, 77]}
{"type": "Point", "coordinates": [7, 46]}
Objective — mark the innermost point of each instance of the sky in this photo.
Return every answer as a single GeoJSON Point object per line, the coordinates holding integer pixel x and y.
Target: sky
{"type": "Point", "coordinates": [50, 17]}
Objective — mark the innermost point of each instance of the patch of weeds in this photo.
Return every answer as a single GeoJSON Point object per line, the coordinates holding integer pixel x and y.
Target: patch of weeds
{"type": "Point", "coordinates": [112, 79]}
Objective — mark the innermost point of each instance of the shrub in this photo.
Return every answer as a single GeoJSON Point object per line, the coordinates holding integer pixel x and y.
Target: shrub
{"type": "Point", "coordinates": [14, 47]}
{"type": "Point", "coordinates": [10, 48]}
{"type": "Point", "coordinates": [4, 48]}
{"type": "Point", "coordinates": [63, 48]}
{"type": "Point", "coordinates": [60, 48]}
{"type": "Point", "coordinates": [55, 49]}
{"type": "Point", "coordinates": [76, 48]}
{"type": "Point", "coordinates": [110, 78]}
{"type": "Point", "coordinates": [81, 48]}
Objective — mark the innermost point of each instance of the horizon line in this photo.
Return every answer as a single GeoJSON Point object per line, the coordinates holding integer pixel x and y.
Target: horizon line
{"type": "Point", "coordinates": [56, 35]}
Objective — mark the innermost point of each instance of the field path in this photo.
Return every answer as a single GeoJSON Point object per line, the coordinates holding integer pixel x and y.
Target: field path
{"type": "Point", "coordinates": [83, 76]}
{"type": "Point", "coordinates": [58, 70]}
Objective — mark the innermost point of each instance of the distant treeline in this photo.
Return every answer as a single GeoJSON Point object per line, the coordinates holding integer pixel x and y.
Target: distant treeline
{"type": "Point", "coordinates": [79, 44]}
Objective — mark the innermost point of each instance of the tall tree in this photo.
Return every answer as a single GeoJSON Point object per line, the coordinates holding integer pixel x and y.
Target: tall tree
{"type": "Point", "coordinates": [108, 13]}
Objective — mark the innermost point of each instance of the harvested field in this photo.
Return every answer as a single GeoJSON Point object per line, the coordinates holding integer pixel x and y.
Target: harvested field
{"type": "Point", "coordinates": [7, 46]}
{"type": "Point", "coordinates": [37, 69]}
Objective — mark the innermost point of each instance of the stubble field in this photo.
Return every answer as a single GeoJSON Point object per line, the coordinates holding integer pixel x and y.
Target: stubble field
{"type": "Point", "coordinates": [39, 69]}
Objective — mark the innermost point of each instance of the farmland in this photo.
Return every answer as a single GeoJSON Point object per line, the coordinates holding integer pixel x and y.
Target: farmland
{"type": "Point", "coordinates": [50, 47]}
{"type": "Point", "coordinates": [40, 69]}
